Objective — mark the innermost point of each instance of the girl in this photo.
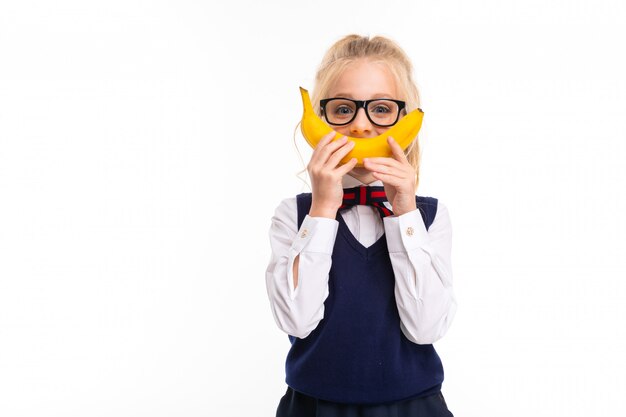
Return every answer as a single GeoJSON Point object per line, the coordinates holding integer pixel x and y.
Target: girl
{"type": "Point", "coordinates": [363, 295]}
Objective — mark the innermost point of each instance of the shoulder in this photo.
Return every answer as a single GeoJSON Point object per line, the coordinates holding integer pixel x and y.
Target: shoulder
{"type": "Point", "coordinates": [291, 203]}
{"type": "Point", "coordinates": [434, 202]}
{"type": "Point", "coordinates": [285, 218]}
{"type": "Point", "coordinates": [427, 201]}
{"type": "Point", "coordinates": [428, 206]}
{"type": "Point", "coordinates": [434, 211]}
{"type": "Point", "coordinates": [291, 211]}
{"type": "Point", "coordinates": [440, 216]}
{"type": "Point", "coordinates": [286, 207]}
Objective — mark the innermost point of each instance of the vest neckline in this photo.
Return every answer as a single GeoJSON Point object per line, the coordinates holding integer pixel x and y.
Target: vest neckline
{"type": "Point", "coordinates": [366, 252]}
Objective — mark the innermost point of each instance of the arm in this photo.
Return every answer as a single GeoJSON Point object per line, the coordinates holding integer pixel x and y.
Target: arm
{"type": "Point", "coordinates": [422, 268]}
{"type": "Point", "coordinates": [297, 274]}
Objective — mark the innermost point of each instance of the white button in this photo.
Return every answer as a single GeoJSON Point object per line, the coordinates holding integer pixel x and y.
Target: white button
{"type": "Point", "coordinates": [409, 231]}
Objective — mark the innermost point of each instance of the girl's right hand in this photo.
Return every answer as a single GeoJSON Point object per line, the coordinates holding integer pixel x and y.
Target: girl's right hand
{"type": "Point", "coordinates": [326, 176]}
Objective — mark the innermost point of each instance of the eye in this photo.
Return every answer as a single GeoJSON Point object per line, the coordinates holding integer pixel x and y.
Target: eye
{"type": "Point", "coordinates": [380, 109]}
{"type": "Point", "coordinates": [343, 110]}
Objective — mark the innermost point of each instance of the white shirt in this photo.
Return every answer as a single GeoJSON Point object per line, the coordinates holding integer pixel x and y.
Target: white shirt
{"type": "Point", "coordinates": [420, 260]}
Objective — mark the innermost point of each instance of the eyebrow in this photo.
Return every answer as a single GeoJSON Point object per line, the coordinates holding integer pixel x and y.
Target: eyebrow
{"type": "Point", "coordinates": [378, 95]}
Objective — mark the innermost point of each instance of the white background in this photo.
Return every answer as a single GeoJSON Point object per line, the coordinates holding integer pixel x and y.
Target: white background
{"type": "Point", "coordinates": [144, 146]}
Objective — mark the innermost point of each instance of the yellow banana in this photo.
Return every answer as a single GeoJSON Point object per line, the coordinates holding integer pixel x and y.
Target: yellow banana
{"type": "Point", "coordinates": [314, 128]}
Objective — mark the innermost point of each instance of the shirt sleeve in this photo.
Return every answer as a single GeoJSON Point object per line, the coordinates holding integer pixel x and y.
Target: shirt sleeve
{"type": "Point", "coordinates": [421, 261]}
{"type": "Point", "coordinates": [298, 310]}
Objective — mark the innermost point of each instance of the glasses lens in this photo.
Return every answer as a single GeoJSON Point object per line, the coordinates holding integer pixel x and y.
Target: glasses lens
{"type": "Point", "coordinates": [339, 111]}
{"type": "Point", "coordinates": [383, 112]}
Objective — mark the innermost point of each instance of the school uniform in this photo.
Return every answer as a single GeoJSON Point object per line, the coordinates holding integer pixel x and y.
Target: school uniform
{"type": "Point", "coordinates": [373, 295]}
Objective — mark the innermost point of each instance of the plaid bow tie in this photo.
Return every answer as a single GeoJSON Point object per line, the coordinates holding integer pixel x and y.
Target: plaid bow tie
{"type": "Point", "coordinates": [363, 195]}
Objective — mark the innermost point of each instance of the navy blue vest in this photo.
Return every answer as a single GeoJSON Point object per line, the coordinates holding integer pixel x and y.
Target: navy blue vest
{"type": "Point", "coordinates": [358, 354]}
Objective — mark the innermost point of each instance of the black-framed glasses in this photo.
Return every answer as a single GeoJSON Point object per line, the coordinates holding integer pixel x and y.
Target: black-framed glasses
{"type": "Point", "coordinates": [383, 112]}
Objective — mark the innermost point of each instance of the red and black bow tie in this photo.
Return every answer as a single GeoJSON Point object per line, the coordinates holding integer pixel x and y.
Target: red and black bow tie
{"type": "Point", "coordinates": [363, 195]}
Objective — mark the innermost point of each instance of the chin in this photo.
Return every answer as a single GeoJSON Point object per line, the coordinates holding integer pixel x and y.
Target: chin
{"type": "Point", "coordinates": [360, 171]}
{"type": "Point", "coordinates": [362, 174]}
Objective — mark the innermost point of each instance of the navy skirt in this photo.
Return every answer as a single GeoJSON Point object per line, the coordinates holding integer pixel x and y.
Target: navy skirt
{"type": "Point", "coordinates": [296, 404]}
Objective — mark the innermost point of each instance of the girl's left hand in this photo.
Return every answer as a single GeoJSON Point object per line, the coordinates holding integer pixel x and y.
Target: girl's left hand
{"type": "Point", "coordinates": [398, 177]}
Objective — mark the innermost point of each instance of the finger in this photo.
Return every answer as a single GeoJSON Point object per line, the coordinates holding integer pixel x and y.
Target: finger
{"type": "Point", "coordinates": [331, 146]}
{"type": "Point", "coordinates": [347, 167]}
{"type": "Point", "coordinates": [338, 155]}
{"type": "Point", "coordinates": [387, 166]}
{"type": "Point", "coordinates": [324, 150]}
{"type": "Point", "coordinates": [391, 173]}
{"type": "Point", "coordinates": [396, 150]}
{"type": "Point", "coordinates": [401, 177]}
{"type": "Point", "coordinates": [325, 140]}
{"type": "Point", "coordinates": [390, 162]}
{"type": "Point", "coordinates": [389, 179]}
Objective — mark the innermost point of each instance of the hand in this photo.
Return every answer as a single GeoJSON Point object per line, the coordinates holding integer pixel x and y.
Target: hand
{"type": "Point", "coordinates": [398, 177]}
{"type": "Point", "coordinates": [326, 176]}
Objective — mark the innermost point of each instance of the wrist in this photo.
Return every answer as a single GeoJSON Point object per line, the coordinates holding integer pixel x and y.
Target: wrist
{"type": "Point", "coordinates": [323, 211]}
{"type": "Point", "coordinates": [404, 210]}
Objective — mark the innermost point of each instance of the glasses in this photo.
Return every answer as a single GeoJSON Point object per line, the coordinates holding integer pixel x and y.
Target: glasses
{"type": "Point", "coordinates": [382, 112]}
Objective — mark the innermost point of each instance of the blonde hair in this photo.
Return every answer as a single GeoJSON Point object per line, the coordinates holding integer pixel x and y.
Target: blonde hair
{"type": "Point", "coordinates": [378, 49]}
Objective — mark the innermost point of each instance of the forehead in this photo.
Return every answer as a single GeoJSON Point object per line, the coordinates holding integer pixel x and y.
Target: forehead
{"type": "Point", "coordinates": [364, 79]}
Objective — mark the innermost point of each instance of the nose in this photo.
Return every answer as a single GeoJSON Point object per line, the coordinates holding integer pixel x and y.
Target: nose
{"type": "Point", "coordinates": [361, 125]}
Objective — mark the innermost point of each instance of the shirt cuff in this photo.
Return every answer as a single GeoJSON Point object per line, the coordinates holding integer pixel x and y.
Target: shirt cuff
{"type": "Point", "coordinates": [406, 232]}
{"type": "Point", "coordinates": [316, 234]}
